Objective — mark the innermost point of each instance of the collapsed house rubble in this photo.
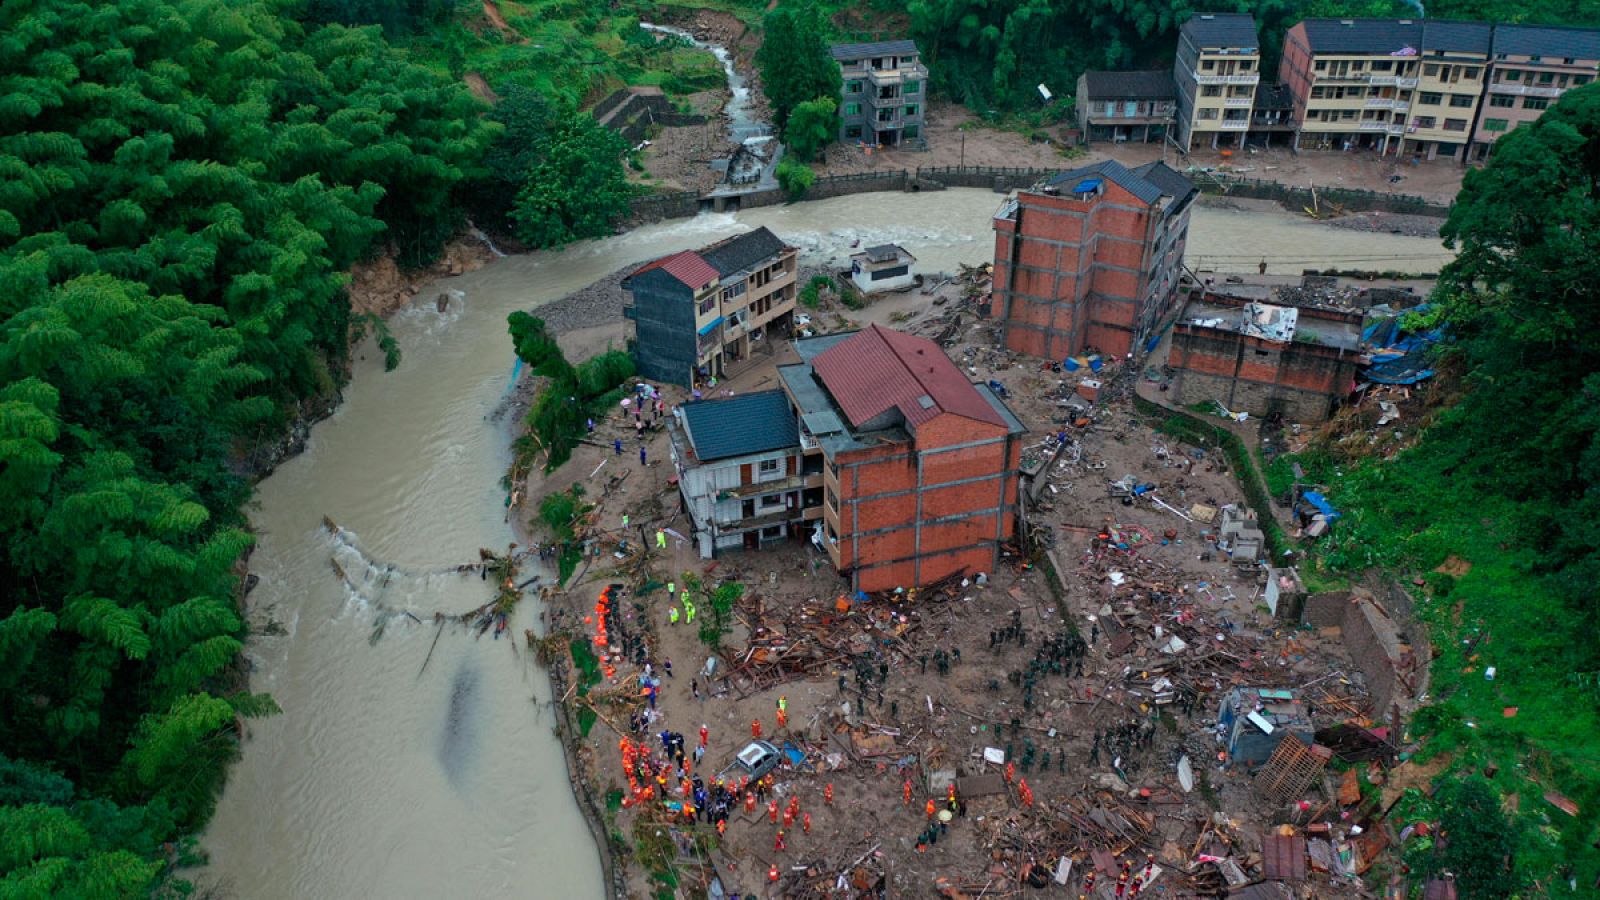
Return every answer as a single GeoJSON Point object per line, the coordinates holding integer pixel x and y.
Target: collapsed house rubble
{"type": "Point", "coordinates": [1137, 699]}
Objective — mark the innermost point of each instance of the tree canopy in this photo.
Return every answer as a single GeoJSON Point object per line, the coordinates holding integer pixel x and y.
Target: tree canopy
{"type": "Point", "coordinates": [554, 175]}
{"type": "Point", "coordinates": [794, 61]}
{"type": "Point", "coordinates": [185, 187]}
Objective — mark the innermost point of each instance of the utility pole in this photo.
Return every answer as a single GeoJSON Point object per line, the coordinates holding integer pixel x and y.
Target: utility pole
{"type": "Point", "coordinates": [963, 149]}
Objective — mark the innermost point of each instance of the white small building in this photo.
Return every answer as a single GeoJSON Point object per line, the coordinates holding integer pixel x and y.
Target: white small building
{"type": "Point", "coordinates": [740, 472]}
{"type": "Point", "coordinates": [886, 267]}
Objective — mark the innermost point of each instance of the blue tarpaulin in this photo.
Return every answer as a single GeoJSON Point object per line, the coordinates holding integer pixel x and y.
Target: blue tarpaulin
{"type": "Point", "coordinates": [1322, 504]}
{"type": "Point", "coordinates": [711, 326]}
{"type": "Point", "coordinates": [1399, 357]}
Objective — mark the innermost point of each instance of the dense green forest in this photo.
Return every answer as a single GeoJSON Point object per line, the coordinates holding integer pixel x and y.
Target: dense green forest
{"type": "Point", "coordinates": [1497, 504]}
{"type": "Point", "coordinates": [185, 185]}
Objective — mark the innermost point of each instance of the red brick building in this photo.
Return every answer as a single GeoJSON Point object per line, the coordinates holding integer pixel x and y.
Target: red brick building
{"type": "Point", "coordinates": [1091, 259]}
{"type": "Point", "coordinates": [1259, 358]}
{"type": "Point", "coordinates": [919, 464]}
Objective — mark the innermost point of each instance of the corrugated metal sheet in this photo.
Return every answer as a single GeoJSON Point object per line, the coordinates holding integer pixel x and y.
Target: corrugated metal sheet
{"type": "Point", "coordinates": [879, 369]}
{"type": "Point", "coordinates": [1283, 857]}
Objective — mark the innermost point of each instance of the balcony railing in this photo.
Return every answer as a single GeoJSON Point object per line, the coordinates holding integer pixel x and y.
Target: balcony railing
{"type": "Point", "coordinates": [1524, 90]}
{"type": "Point", "coordinates": [1237, 101]}
{"type": "Point", "coordinates": [915, 71]}
{"type": "Point", "coordinates": [1235, 124]}
{"type": "Point", "coordinates": [1227, 79]}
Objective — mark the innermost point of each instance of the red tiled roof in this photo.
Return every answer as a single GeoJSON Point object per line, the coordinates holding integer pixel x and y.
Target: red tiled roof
{"type": "Point", "coordinates": [688, 267]}
{"type": "Point", "coordinates": [879, 369]}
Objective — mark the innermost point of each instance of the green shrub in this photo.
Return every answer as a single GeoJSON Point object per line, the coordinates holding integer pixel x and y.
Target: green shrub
{"type": "Point", "coordinates": [795, 178]}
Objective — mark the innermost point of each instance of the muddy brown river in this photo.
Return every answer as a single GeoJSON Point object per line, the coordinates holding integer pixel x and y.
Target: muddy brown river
{"type": "Point", "coordinates": [382, 779]}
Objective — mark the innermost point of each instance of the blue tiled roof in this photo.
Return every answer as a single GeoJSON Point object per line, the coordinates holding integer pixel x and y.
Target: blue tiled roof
{"type": "Point", "coordinates": [740, 426]}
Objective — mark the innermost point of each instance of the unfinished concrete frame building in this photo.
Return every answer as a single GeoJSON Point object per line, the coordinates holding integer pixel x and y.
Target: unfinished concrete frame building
{"type": "Point", "coordinates": [919, 464]}
{"type": "Point", "coordinates": [1091, 259]}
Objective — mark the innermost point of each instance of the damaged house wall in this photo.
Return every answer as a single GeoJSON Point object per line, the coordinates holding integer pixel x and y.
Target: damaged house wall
{"type": "Point", "coordinates": [1302, 379]}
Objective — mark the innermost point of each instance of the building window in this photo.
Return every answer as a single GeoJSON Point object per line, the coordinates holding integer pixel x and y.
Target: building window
{"type": "Point", "coordinates": [1429, 98]}
{"type": "Point", "coordinates": [1426, 121]}
{"type": "Point", "coordinates": [1470, 73]}
{"type": "Point", "coordinates": [1494, 124]}
{"type": "Point", "coordinates": [852, 87]}
{"type": "Point", "coordinates": [1502, 101]}
{"type": "Point", "coordinates": [769, 466]}
{"type": "Point", "coordinates": [729, 293]}
{"type": "Point", "coordinates": [1207, 65]}
{"type": "Point", "coordinates": [1455, 124]}
{"type": "Point", "coordinates": [768, 501]}
{"type": "Point", "coordinates": [1208, 112]}
{"type": "Point", "coordinates": [1535, 103]}
{"type": "Point", "coordinates": [852, 109]}
{"type": "Point", "coordinates": [1511, 75]}
{"type": "Point", "coordinates": [1211, 90]}
{"type": "Point", "coordinates": [852, 132]}
{"type": "Point", "coordinates": [707, 305]}
{"type": "Point", "coordinates": [1461, 101]}
{"type": "Point", "coordinates": [1322, 65]}
{"type": "Point", "coordinates": [1430, 71]}
{"type": "Point", "coordinates": [1547, 77]}
{"type": "Point", "coordinates": [913, 87]}
{"type": "Point", "coordinates": [772, 531]}
{"type": "Point", "coordinates": [1382, 65]}
{"type": "Point", "coordinates": [893, 272]}
{"type": "Point", "coordinates": [911, 110]}
{"type": "Point", "coordinates": [911, 131]}
{"type": "Point", "coordinates": [1580, 80]}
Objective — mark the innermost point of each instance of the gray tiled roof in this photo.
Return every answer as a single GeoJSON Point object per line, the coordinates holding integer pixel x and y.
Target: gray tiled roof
{"type": "Point", "coordinates": [1547, 41]}
{"type": "Point", "coordinates": [1232, 30]}
{"type": "Point", "coordinates": [1156, 182]}
{"type": "Point", "coordinates": [742, 251]}
{"type": "Point", "coordinates": [1461, 37]}
{"type": "Point", "coordinates": [1155, 85]}
{"type": "Point", "coordinates": [880, 48]}
{"type": "Point", "coordinates": [739, 426]}
{"type": "Point", "coordinates": [1363, 35]}
{"type": "Point", "coordinates": [1168, 180]}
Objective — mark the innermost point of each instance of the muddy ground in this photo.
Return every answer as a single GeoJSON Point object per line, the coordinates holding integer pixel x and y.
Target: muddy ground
{"type": "Point", "coordinates": [870, 710]}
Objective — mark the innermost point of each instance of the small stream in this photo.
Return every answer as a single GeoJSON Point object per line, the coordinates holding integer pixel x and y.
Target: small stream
{"type": "Point", "coordinates": [743, 126]}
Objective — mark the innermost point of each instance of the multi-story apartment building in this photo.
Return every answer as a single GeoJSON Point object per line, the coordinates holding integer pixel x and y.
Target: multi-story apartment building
{"type": "Point", "coordinates": [1352, 81]}
{"type": "Point", "coordinates": [1401, 85]}
{"type": "Point", "coordinates": [1216, 72]}
{"type": "Point", "coordinates": [1125, 106]}
{"type": "Point", "coordinates": [701, 314]}
{"type": "Point", "coordinates": [1532, 66]}
{"type": "Point", "coordinates": [1091, 259]}
{"type": "Point", "coordinates": [884, 93]}
{"type": "Point", "coordinates": [744, 480]}
{"type": "Point", "coordinates": [1455, 57]}
{"type": "Point", "coordinates": [919, 465]}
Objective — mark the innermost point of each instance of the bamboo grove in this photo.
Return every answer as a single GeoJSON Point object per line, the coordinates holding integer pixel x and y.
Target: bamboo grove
{"type": "Point", "coordinates": [183, 186]}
